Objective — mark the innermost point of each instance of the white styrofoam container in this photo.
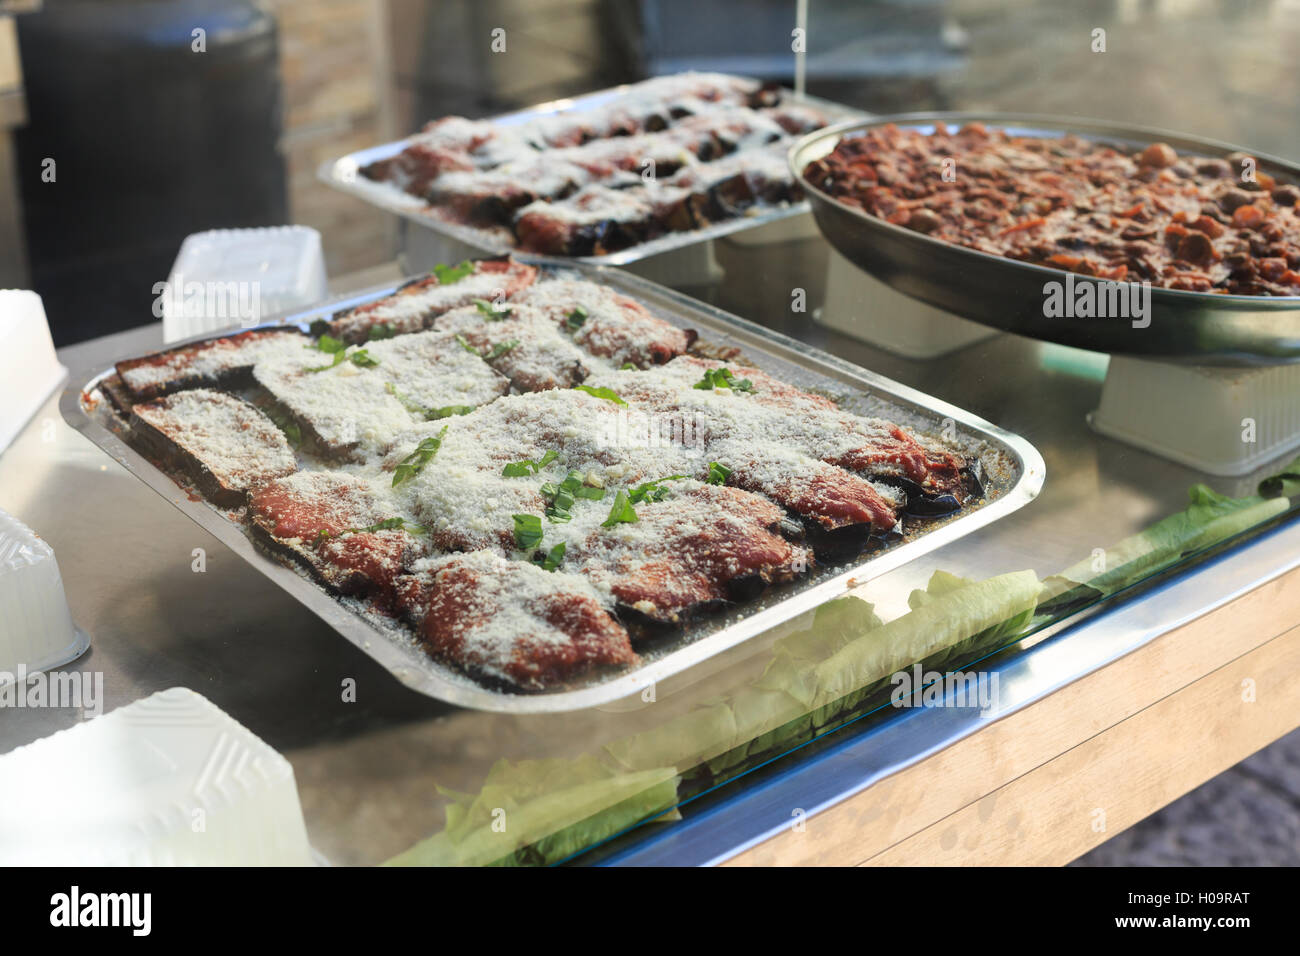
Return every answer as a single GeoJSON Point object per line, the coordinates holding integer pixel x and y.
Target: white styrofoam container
{"type": "Point", "coordinates": [239, 277]}
{"type": "Point", "coordinates": [36, 629]}
{"type": "Point", "coordinates": [868, 310]}
{"type": "Point", "coordinates": [29, 368]}
{"type": "Point", "coordinates": [1222, 421]}
{"type": "Point", "coordinates": [169, 780]}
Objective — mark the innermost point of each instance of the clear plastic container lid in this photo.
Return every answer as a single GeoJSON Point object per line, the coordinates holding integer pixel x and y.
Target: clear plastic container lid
{"type": "Point", "coordinates": [230, 278]}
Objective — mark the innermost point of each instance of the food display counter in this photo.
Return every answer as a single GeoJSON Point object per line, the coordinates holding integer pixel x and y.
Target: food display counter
{"type": "Point", "coordinates": [1014, 695]}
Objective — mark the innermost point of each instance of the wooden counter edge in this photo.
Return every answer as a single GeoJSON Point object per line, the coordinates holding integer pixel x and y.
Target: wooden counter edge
{"type": "Point", "coordinates": [1124, 740]}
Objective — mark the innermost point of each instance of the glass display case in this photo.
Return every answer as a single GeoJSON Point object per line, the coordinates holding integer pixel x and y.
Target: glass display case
{"type": "Point", "coordinates": [932, 709]}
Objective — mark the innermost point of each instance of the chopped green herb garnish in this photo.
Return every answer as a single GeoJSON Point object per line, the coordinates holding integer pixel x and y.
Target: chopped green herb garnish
{"type": "Point", "coordinates": [521, 469]}
{"type": "Point", "coordinates": [498, 350]}
{"type": "Point", "coordinates": [629, 367]}
{"type": "Point", "coordinates": [722, 378]}
{"type": "Point", "coordinates": [718, 473]}
{"type": "Point", "coordinates": [339, 349]}
{"type": "Point", "coordinates": [430, 414]}
{"type": "Point", "coordinates": [608, 394]}
{"type": "Point", "coordinates": [447, 411]}
{"type": "Point", "coordinates": [560, 497]}
{"type": "Point", "coordinates": [622, 511]}
{"type": "Point", "coordinates": [487, 355]}
{"type": "Point", "coordinates": [551, 560]}
{"type": "Point", "coordinates": [380, 330]}
{"type": "Point", "coordinates": [450, 274]}
{"type": "Point", "coordinates": [286, 424]}
{"type": "Point", "coordinates": [528, 531]}
{"type": "Point", "coordinates": [651, 490]}
{"type": "Point", "coordinates": [574, 320]}
{"type": "Point", "coordinates": [328, 343]}
{"type": "Point", "coordinates": [363, 359]}
{"type": "Point", "coordinates": [388, 524]}
{"type": "Point", "coordinates": [491, 312]}
{"type": "Point", "coordinates": [339, 356]}
{"type": "Point", "coordinates": [410, 466]}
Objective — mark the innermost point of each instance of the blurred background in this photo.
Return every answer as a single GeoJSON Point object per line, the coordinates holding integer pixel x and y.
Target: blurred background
{"type": "Point", "coordinates": [126, 125]}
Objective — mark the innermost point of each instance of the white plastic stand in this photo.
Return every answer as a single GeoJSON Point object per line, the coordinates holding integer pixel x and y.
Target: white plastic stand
{"type": "Point", "coordinates": [1222, 421]}
{"type": "Point", "coordinates": [870, 311]}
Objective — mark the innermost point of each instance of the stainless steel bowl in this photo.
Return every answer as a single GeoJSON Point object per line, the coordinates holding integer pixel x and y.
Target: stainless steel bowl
{"type": "Point", "coordinates": [1196, 328]}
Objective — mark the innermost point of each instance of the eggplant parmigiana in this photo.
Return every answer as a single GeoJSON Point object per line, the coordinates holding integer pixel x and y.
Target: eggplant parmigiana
{"type": "Point", "coordinates": [672, 154]}
{"type": "Point", "coordinates": [533, 473]}
{"type": "Point", "coordinates": [1180, 222]}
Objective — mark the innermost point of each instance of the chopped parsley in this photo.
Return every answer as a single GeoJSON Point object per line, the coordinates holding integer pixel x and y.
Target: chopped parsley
{"type": "Point", "coordinates": [410, 466]}
{"type": "Point", "coordinates": [629, 367]}
{"type": "Point", "coordinates": [528, 531]}
{"type": "Point", "coordinates": [560, 497]}
{"type": "Point", "coordinates": [283, 421]}
{"type": "Point", "coordinates": [329, 344]}
{"type": "Point", "coordinates": [487, 355]}
{"type": "Point", "coordinates": [363, 359]}
{"type": "Point", "coordinates": [622, 511]}
{"type": "Point", "coordinates": [498, 350]}
{"type": "Point", "coordinates": [651, 490]}
{"type": "Point", "coordinates": [529, 466]}
{"type": "Point", "coordinates": [718, 473]}
{"type": "Point", "coordinates": [430, 414]}
{"type": "Point", "coordinates": [722, 378]}
{"type": "Point", "coordinates": [380, 330]}
{"type": "Point", "coordinates": [573, 321]}
{"type": "Point", "coordinates": [388, 524]}
{"type": "Point", "coordinates": [552, 559]}
{"type": "Point", "coordinates": [490, 311]}
{"type": "Point", "coordinates": [447, 275]}
{"type": "Point", "coordinates": [607, 394]}
{"type": "Point", "coordinates": [339, 349]}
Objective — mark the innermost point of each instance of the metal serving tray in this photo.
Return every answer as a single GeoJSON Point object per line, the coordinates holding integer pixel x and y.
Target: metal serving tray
{"type": "Point", "coordinates": [1014, 474]}
{"type": "Point", "coordinates": [344, 174]}
{"type": "Point", "coordinates": [1197, 328]}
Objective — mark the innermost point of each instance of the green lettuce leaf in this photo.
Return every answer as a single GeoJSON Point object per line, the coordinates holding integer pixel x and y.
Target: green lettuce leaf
{"type": "Point", "coordinates": [1209, 519]}
{"type": "Point", "coordinates": [540, 811]}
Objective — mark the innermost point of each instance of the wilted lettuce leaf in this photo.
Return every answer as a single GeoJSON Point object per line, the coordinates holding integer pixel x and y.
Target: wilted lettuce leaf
{"type": "Point", "coordinates": [957, 612]}
{"type": "Point", "coordinates": [1286, 483]}
{"type": "Point", "coordinates": [1209, 519]}
{"type": "Point", "coordinates": [543, 807]}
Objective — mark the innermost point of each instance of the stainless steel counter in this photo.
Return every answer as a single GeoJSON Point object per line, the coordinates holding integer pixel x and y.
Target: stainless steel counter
{"type": "Point", "coordinates": [367, 769]}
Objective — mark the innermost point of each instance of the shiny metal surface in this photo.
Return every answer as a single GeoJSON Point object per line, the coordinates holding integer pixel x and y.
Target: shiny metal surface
{"type": "Point", "coordinates": [368, 764]}
{"type": "Point", "coordinates": [344, 174]}
{"type": "Point", "coordinates": [1013, 467]}
{"type": "Point", "coordinates": [1192, 327]}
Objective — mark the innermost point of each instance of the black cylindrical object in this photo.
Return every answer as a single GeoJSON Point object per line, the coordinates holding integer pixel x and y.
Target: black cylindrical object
{"type": "Point", "coordinates": [155, 131]}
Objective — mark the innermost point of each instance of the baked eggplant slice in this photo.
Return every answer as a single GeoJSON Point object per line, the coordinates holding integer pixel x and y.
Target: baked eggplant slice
{"type": "Point", "coordinates": [692, 550]}
{"type": "Point", "coordinates": [416, 304]}
{"type": "Point", "coordinates": [225, 362]}
{"type": "Point", "coordinates": [607, 324]}
{"type": "Point", "coordinates": [511, 623]}
{"type": "Point", "coordinates": [225, 445]}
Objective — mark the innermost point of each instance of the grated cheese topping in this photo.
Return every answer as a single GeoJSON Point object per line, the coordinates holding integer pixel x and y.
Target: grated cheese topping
{"type": "Point", "coordinates": [234, 441]}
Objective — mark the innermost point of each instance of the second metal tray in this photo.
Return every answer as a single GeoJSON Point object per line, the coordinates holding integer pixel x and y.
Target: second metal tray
{"type": "Point", "coordinates": [1014, 474]}
{"type": "Point", "coordinates": [344, 174]}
